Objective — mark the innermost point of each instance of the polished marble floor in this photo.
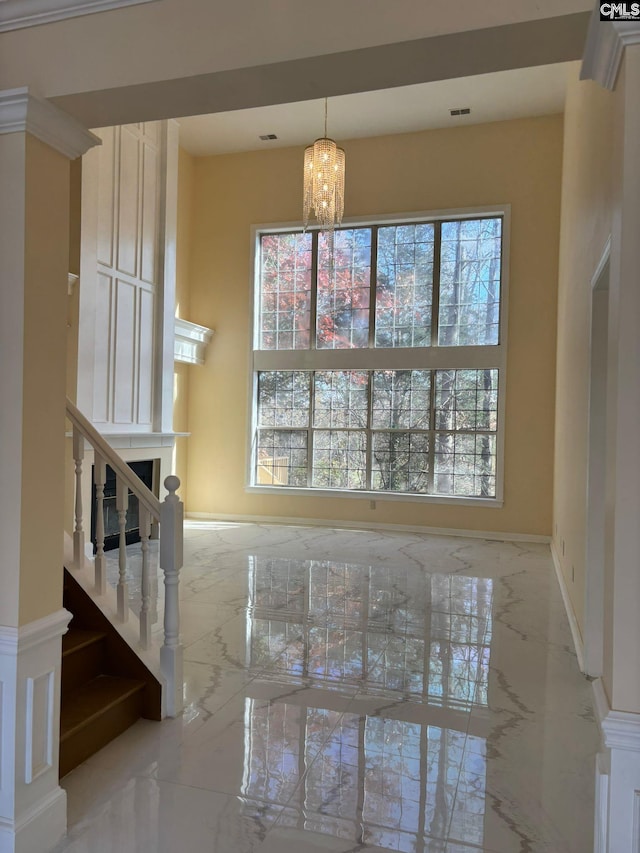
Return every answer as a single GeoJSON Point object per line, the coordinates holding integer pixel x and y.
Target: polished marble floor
{"type": "Point", "coordinates": [355, 692]}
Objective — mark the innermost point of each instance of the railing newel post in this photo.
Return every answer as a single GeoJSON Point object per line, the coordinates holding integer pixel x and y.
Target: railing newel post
{"type": "Point", "coordinates": [171, 554]}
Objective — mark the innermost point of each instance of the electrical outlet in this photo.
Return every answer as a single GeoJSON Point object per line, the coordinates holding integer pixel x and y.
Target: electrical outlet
{"type": "Point", "coordinates": [372, 504]}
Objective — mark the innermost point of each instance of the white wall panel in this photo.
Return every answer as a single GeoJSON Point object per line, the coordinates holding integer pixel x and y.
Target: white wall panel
{"type": "Point", "coordinates": [151, 130]}
{"type": "Point", "coordinates": [106, 197]}
{"type": "Point", "coordinates": [124, 353]}
{"type": "Point", "coordinates": [125, 358]}
{"type": "Point", "coordinates": [103, 348]}
{"type": "Point", "coordinates": [40, 717]}
{"type": "Point", "coordinates": [149, 230]}
{"type": "Point", "coordinates": [129, 192]}
{"type": "Point", "coordinates": [32, 804]}
{"type": "Point", "coordinates": [145, 355]}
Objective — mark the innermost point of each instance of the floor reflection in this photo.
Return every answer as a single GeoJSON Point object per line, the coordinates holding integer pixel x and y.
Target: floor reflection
{"type": "Point", "coordinates": [397, 636]}
{"type": "Point", "coordinates": [382, 782]}
{"type": "Point", "coordinates": [425, 636]}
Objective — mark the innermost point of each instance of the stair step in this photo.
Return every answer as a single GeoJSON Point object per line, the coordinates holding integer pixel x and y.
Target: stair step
{"type": "Point", "coordinates": [94, 714]}
{"type": "Point", "coordinates": [77, 638]}
{"type": "Point", "coordinates": [83, 655]}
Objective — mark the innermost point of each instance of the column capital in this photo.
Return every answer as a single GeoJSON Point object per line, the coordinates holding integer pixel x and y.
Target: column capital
{"type": "Point", "coordinates": [23, 112]}
{"type": "Point", "coordinates": [606, 41]}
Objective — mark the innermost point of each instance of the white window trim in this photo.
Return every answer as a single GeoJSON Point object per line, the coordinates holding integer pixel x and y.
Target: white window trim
{"type": "Point", "coordinates": [387, 358]}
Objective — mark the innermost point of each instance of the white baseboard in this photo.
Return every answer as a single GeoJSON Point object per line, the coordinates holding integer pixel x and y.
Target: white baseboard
{"type": "Point", "coordinates": [39, 829]}
{"type": "Point", "coordinates": [568, 606]}
{"type": "Point", "coordinates": [292, 521]}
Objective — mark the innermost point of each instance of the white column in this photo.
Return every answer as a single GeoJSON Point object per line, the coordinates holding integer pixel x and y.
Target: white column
{"type": "Point", "coordinates": [36, 143]}
{"type": "Point", "coordinates": [613, 59]}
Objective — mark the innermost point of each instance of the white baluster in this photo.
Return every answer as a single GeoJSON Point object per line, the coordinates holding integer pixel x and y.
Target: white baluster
{"type": "Point", "coordinates": [122, 504]}
{"type": "Point", "coordinates": [100, 564]}
{"type": "Point", "coordinates": [78, 534]}
{"type": "Point", "coordinates": [171, 521]}
{"type": "Point", "coordinates": [145, 614]}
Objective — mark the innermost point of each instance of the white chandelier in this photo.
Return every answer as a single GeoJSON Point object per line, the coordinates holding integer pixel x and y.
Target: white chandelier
{"type": "Point", "coordinates": [324, 181]}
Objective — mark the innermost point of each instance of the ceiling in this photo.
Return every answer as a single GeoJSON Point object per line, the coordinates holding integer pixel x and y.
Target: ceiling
{"type": "Point", "coordinates": [491, 97]}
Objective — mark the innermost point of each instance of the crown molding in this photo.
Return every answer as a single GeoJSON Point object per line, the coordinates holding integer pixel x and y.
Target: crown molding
{"type": "Point", "coordinates": [16, 14]}
{"type": "Point", "coordinates": [21, 112]}
{"type": "Point", "coordinates": [606, 41]}
{"type": "Point", "coordinates": [13, 640]}
{"type": "Point", "coordinates": [620, 729]}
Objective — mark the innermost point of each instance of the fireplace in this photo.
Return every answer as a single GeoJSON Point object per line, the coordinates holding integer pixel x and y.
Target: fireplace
{"type": "Point", "coordinates": [144, 470]}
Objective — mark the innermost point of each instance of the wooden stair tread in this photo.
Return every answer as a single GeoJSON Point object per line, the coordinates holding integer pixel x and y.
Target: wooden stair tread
{"type": "Point", "coordinates": [78, 638]}
{"type": "Point", "coordinates": [88, 703]}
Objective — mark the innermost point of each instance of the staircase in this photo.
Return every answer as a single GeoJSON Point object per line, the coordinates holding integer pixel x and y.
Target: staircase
{"type": "Point", "coordinates": [120, 661]}
{"type": "Point", "coordinates": [105, 686]}
{"type": "Point", "coordinates": [116, 648]}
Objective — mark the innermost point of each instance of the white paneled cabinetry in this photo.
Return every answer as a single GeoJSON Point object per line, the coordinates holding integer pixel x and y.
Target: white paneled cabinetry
{"type": "Point", "coordinates": [127, 293]}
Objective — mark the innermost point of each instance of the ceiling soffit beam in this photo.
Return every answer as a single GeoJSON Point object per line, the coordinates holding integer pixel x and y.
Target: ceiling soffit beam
{"type": "Point", "coordinates": [465, 54]}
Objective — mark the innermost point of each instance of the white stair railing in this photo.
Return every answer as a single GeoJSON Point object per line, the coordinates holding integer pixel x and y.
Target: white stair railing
{"type": "Point", "coordinates": [168, 513]}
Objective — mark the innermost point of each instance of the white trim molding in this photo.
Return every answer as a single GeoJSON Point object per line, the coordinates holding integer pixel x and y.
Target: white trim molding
{"type": "Point", "coordinates": [606, 41]}
{"type": "Point", "coordinates": [17, 14]}
{"type": "Point", "coordinates": [191, 341]}
{"type": "Point", "coordinates": [568, 606]}
{"type": "Point", "coordinates": [32, 804]}
{"type": "Point", "coordinates": [335, 524]}
{"type": "Point", "coordinates": [617, 813]}
{"type": "Point", "coordinates": [21, 112]}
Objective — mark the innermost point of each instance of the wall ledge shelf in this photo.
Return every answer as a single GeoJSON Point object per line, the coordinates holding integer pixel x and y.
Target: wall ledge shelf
{"type": "Point", "coordinates": [191, 341]}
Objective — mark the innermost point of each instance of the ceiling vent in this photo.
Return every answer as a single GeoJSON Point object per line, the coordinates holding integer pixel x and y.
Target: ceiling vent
{"type": "Point", "coordinates": [461, 111]}
{"type": "Point", "coordinates": [267, 137]}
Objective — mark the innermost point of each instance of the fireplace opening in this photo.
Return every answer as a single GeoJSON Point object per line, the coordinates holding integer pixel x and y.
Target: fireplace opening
{"type": "Point", "coordinates": [144, 470]}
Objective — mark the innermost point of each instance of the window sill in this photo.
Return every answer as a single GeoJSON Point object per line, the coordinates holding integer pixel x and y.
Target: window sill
{"type": "Point", "coordinates": [451, 500]}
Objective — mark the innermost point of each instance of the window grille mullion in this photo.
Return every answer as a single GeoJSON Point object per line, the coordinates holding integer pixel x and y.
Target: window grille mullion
{"type": "Point", "coordinates": [369, 454]}
{"type": "Point", "coordinates": [312, 397]}
{"type": "Point", "coordinates": [313, 315]}
{"type": "Point", "coordinates": [432, 436]}
{"type": "Point", "coordinates": [435, 287]}
{"type": "Point", "coordinates": [373, 283]}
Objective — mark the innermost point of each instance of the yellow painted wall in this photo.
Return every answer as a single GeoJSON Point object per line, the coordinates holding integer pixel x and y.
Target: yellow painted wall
{"type": "Point", "coordinates": [586, 225]}
{"type": "Point", "coordinates": [43, 441]}
{"type": "Point", "coordinates": [183, 371]}
{"type": "Point", "coordinates": [516, 162]}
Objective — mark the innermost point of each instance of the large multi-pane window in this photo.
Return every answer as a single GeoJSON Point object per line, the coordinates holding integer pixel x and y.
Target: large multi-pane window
{"type": "Point", "coordinates": [380, 368]}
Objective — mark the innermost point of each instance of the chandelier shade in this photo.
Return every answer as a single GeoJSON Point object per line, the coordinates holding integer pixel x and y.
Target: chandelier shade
{"type": "Point", "coordinates": [324, 183]}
